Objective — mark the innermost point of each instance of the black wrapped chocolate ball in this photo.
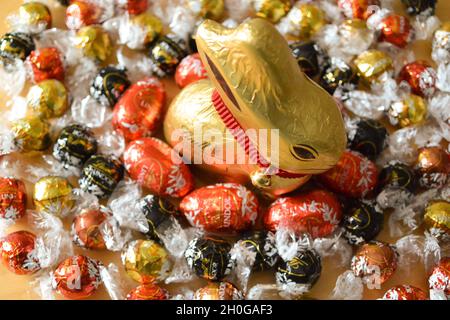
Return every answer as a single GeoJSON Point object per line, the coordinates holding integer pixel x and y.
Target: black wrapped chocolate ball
{"type": "Point", "coordinates": [109, 84]}
{"type": "Point", "coordinates": [157, 211]}
{"type": "Point", "coordinates": [368, 137]}
{"type": "Point", "coordinates": [415, 7]}
{"type": "Point", "coordinates": [305, 268]}
{"type": "Point", "coordinates": [15, 45]}
{"type": "Point", "coordinates": [306, 54]}
{"type": "Point", "coordinates": [100, 175]}
{"type": "Point", "coordinates": [74, 145]}
{"type": "Point", "coordinates": [335, 74]}
{"type": "Point", "coordinates": [263, 244]}
{"type": "Point", "coordinates": [167, 53]}
{"type": "Point", "coordinates": [397, 175]}
{"type": "Point", "coordinates": [209, 258]}
{"type": "Point", "coordinates": [362, 222]}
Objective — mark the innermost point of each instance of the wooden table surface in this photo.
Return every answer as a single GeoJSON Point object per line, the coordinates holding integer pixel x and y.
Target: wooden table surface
{"type": "Point", "coordinates": [18, 287]}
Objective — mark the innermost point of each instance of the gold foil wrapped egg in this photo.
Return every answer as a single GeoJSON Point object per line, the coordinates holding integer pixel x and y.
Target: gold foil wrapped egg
{"type": "Point", "coordinates": [48, 99]}
{"type": "Point", "coordinates": [53, 195]}
{"type": "Point", "coordinates": [411, 110]}
{"type": "Point", "coordinates": [95, 42]}
{"type": "Point", "coordinates": [150, 24]}
{"type": "Point", "coordinates": [437, 219]}
{"type": "Point", "coordinates": [208, 9]}
{"type": "Point", "coordinates": [146, 261]}
{"type": "Point", "coordinates": [372, 63]}
{"type": "Point", "coordinates": [272, 10]}
{"type": "Point", "coordinates": [31, 133]}
{"type": "Point", "coordinates": [36, 15]}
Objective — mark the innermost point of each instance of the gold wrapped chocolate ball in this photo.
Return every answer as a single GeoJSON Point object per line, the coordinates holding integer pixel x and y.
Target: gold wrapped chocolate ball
{"type": "Point", "coordinates": [31, 134]}
{"type": "Point", "coordinates": [145, 261]}
{"type": "Point", "coordinates": [36, 15]}
{"type": "Point", "coordinates": [412, 110]}
{"type": "Point", "coordinates": [441, 44]}
{"type": "Point", "coordinates": [208, 9]}
{"type": "Point", "coordinates": [372, 63]}
{"type": "Point", "coordinates": [304, 21]}
{"type": "Point", "coordinates": [95, 43]}
{"type": "Point", "coordinates": [48, 99]}
{"type": "Point", "coordinates": [272, 10]}
{"type": "Point", "coordinates": [218, 291]}
{"type": "Point", "coordinates": [150, 24]}
{"type": "Point", "coordinates": [53, 195]}
{"type": "Point", "coordinates": [437, 219]}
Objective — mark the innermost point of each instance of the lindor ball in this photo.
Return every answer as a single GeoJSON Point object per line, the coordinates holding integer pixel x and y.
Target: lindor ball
{"type": "Point", "coordinates": [412, 110]}
{"type": "Point", "coordinates": [46, 64]}
{"type": "Point", "coordinates": [166, 53]}
{"type": "Point", "coordinates": [420, 77]}
{"type": "Point", "coordinates": [437, 219]}
{"type": "Point", "coordinates": [94, 42]}
{"type": "Point", "coordinates": [439, 279]}
{"type": "Point", "coordinates": [304, 269]}
{"type": "Point", "coordinates": [306, 54]}
{"type": "Point", "coordinates": [432, 167]}
{"type": "Point", "coordinates": [148, 292]}
{"type": "Point", "coordinates": [82, 13]}
{"type": "Point", "coordinates": [136, 6]}
{"type": "Point", "coordinates": [358, 9]}
{"type": "Point", "coordinates": [336, 74]}
{"type": "Point", "coordinates": [415, 7]}
{"type": "Point", "coordinates": [17, 251]}
{"type": "Point", "coordinates": [405, 292]}
{"type": "Point", "coordinates": [157, 211]}
{"type": "Point", "coordinates": [396, 29]}
{"type": "Point", "coordinates": [190, 69]}
{"type": "Point", "coordinates": [397, 175]}
{"type": "Point", "coordinates": [146, 261]}
{"type": "Point", "coordinates": [262, 243]}
{"type": "Point", "coordinates": [273, 10]}
{"type": "Point", "coordinates": [207, 9]}
{"type": "Point", "coordinates": [48, 99]}
{"type": "Point", "coordinates": [368, 137]}
{"type": "Point", "coordinates": [13, 198]}
{"type": "Point", "coordinates": [109, 85]}
{"type": "Point", "coordinates": [87, 228]}
{"type": "Point", "coordinates": [150, 25]}
{"type": "Point", "coordinates": [35, 14]}
{"type": "Point", "coordinates": [31, 133]}
{"type": "Point", "coordinates": [15, 45]}
{"type": "Point", "coordinates": [371, 64]}
{"type": "Point", "coordinates": [53, 195]}
{"type": "Point", "coordinates": [218, 291]}
{"type": "Point", "coordinates": [77, 277]}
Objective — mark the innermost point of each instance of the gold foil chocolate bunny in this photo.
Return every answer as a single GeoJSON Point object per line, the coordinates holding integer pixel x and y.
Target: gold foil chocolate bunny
{"type": "Point", "coordinates": [255, 84]}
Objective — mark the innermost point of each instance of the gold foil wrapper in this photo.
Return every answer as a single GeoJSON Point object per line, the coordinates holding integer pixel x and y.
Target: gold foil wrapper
{"type": "Point", "coordinates": [95, 42]}
{"type": "Point", "coordinates": [412, 110]}
{"type": "Point", "coordinates": [272, 10]}
{"type": "Point", "coordinates": [372, 63]}
{"type": "Point", "coordinates": [35, 14]}
{"type": "Point", "coordinates": [437, 219]}
{"type": "Point", "coordinates": [208, 9]}
{"type": "Point", "coordinates": [145, 261]}
{"type": "Point", "coordinates": [151, 24]}
{"type": "Point", "coordinates": [48, 99]}
{"type": "Point", "coordinates": [31, 134]}
{"type": "Point", "coordinates": [304, 21]}
{"type": "Point", "coordinates": [53, 195]}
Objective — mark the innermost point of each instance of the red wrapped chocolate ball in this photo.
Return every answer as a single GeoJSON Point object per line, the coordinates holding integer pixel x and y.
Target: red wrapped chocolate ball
{"type": "Point", "coordinates": [156, 166]}
{"type": "Point", "coordinates": [140, 108]}
{"type": "Point", "coordinates": [358, 9]}
{"type": "Point", "coordinates": [148, 292]}
{"type": "Point", "coordinates": [354, 175]}
{"type": "Point", "coordinates": [405, 292]}
{"type": "Point", "coordinates": [420, 76]}
{"type": "Point", "coordinates": [13, 199]}
{"type": "Point", "coordinates": [46, 64]}
{"type": "Point", "coordinates": [81, 13]}
{"type": "Point", "coordinates": [440, 277]}
{"type": "Point", "coordinates": [375, 262]}
{"type": "Point", "coordinates": [136, 6]}
{"type": "Point", "coordinates": [223, 207]}
{"type": "Point", "coordinates": [396, 29]}
{"type": "Point", "coordinates": [190, 69]}
{"type": "Point", "coordinates": [86, 228]}
{"type": "Point", "coordinates": [77, 277]}
{"type": "Point", "coordinates": [316, 212]}
{"type": "Point", "coordinates": [17, 251]}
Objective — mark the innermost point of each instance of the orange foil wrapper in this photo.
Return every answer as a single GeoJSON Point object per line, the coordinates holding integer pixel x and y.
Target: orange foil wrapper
{"type": "Point", "coordinates": [190, 70]}
{"type": "Point", "coordinates": [405, 292]}
{"type": "Point", "coordinates": [13, 199]}
{"type": "Point", "coordinates": [357, 9]}
{"type": "Point", "coordinates": [17, 252]}
{"type": "Point", "coordinates": [420, 76]}
{"type": "Point", "coordinates": [46, 64]}
{"type": "Point", "coordinates": [221, 208]}
{"type": "Point", "coordinates": [397, 30]}
{"type": "Point", "coordinates": [317, 212]}
{"type": "Point", "coordinates": [148, 292]}
{"type": "Point", "coordinates": [150, 162]}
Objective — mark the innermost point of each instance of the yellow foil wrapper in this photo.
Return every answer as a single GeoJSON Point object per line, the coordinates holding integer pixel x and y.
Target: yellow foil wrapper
{"type": "Point", "coordinates": [304, 21]}
{"type": "Point", "coordinates": [31, 133]}
{"type": "Point", "coordinates": [372, 63]}
{"type": "Point", "coordinates": [53, 195]}
{"type": "Point", "coordinates": [95, 42]}
{"type": "Point", "coordinates": [35, 14]}
{"type": "Point", "coordinates": [208, 9]}
{"type": "Point", "coordinates": [412, 110]}
{"type": "Point", "coordinates": [437, 219]}
{"type": "Point", "coordinates": [151, 24]}
{"type": "Point", "coordinates": [145, 261]}
{"type": "Point", "coordinates": [272, 10]}
{"type": "Point", "coordinates": [48, 99]}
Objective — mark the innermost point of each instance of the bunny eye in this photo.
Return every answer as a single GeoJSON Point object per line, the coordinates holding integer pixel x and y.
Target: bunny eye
{"type": "Point", "coordinates": [303, 152]}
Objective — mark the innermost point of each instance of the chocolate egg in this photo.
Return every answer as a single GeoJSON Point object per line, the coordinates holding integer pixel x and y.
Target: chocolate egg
{"type": "Point", "coordinates": [190, 69]}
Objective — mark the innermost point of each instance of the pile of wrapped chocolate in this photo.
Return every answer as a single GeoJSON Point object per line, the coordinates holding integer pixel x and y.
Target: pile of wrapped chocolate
{"type": "Point", "coordinates": [298, 132]}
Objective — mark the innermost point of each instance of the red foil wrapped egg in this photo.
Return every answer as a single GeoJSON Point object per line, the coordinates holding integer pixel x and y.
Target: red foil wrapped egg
{"type": "Point", "coordinates": [223, 207]}
{"type": "Point", "coordinates": [86, 228]}
{"type": "Point", "coordinates": [354, 175]}
{"type": "Point", "coordinates": [396, 29]}
{"type": "Point", "coordinates": [17, 251]}
{"type": "Point", "coordinates": [138, 112]}
{"type": "Point", "coordinates": [46, 64]}
{"type": "Point", "coordinates": [81, 13]}
{"type": "Point", "coordinates": [405, 292]}
{"type": "Point", "coordinates": [190, 70]}
{"type": "Point", "coordinates": [77, 277]}
{"type": "Point", "coordinates": [148, 292]}
{"type": "Point", "coordinates": [316, 212]}
{"type": "Point", "coordinates": [157, 167]}
{"type": "Point", "coordinates": [420, 76]}
{"type": "Point", "coordinates": [440, 277]}
{"type": "Point", "coordinates": [358, 9]}
{"type": "Point", "coordinates": [13, 199]}
{"type": "Point", "coordinates": [136, 6]}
